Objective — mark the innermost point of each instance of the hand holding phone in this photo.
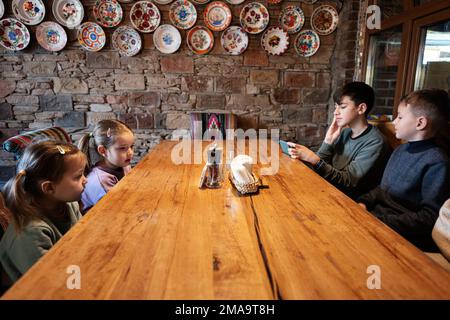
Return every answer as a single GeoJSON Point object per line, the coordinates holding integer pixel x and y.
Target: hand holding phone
{"type": "Point", "coordinates": [285, 147]}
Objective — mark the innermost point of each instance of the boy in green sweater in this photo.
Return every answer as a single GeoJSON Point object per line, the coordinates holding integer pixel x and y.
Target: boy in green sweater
{"type": "Point", "coordinates": [353, 154]}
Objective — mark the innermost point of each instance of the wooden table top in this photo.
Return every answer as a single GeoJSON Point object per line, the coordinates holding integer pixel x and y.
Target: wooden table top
{"type": "Point", "coordinates": [157, 236]}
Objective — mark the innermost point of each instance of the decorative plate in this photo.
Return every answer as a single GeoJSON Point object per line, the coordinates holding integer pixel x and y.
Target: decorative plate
{"type": "Point", "coordinates": [275, 41]}
{"type": "Point", "coordinates": [2, 9]}
{"type": "Point", "coordinates": [200, 40]}
{"type": "Point", "coordinates": [235, 1]}
{"type": "Point", "coordinates": [69, 13]}
{"type": "Point", "coordinates": [324, 19]}
{"type": "Point", "coordinates": [51, 36]}
{"type": "Point", "coordinates": [254, 18]}
{"type": "Point", "coordinates": [217, 16]}
{"type": "Point", "coordinates": [145, 16]}
{"type": "Point", "coordinates": [91, 36]}
{"type": "Point", "coordinates": [200, 1]}
{"type": "Point", "coordinates": [292, 19]}
{"type": "Point", "coordinates": [30, 12]}
{"type": "Point", "coordinates": [108, 13]}
{"type": "Point", "coordinates": [167, 38]}
{"type": "Point", "coordinates": [183, 14]}
{"type": "Point", "coordinates": [14, 34]}
{"type": "Point", "coordinates": [163, 1]}
{"type": "Point", "coordinates": [234, 40]}
{"type": "Point", "coordinates": [127, 41]}
{"type": "Point", "coordinates": [307, 43]}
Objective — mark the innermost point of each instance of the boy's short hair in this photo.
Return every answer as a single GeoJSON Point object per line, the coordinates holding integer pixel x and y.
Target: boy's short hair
{"type": "Point", "coordinates": [434, 104]}
{"type": "Point", "coordinates": [358, 92]}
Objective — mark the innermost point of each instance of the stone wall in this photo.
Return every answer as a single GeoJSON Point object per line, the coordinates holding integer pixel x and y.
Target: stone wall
{"type": "Point", "coordinates": [154, 93]}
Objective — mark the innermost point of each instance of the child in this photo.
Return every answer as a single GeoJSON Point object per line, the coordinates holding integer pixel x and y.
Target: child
{"type": "Point", "coordinates": [42, 199]}
{"type": "Point", "coordinates": [416, 181]}
{"type": "Point", "coordinates": [353, 158]}
{"type": "Point", "coordinates": [114, 142]}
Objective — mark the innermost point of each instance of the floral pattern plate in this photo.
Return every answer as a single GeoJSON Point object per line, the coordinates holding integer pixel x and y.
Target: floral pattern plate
{"type": "Point", "coordinates": [69, 13]}
{"type": "Point", "coordinates": [51, 36]}
{"type": "Point", "coordinates": [14, 35]}
{"type": "Point", "coordinates": [183, 14]}
{"type": "Point", "coordinates": [292, 19]}
{"type": "Point", "coordinates": [200, 40]}
{"type": "Point", "coordinates": [234, 40]}
{"type": "Point", "coordinates": [30, 12]}
{"type": "Point", "coordinates": [254, 18]}
{"type": "Point", "coordinates": [91, 36]}
{"type": "Point", "coordinates": [324, 19]}
{"type": "Point", "coordinates": [127, 41]}
{"type": "Point", "coordinates": [217, 16]}
{"type": "Point", "coordinates": [167, 38]}
{"type": "Point", "coordinates": [145, 16]}
{"type": "Point", "coordinates": [2, 9]}
{"type": "Point", "coordinates": [275, 41]}
{"type": "Point", "coordinates": [307, 43]}
{"type": "Point", "coordinates": [108, 13]}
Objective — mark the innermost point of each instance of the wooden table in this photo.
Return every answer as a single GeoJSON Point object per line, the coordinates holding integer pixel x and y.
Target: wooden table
{"type": "Point", "coordinates": [157, 236]}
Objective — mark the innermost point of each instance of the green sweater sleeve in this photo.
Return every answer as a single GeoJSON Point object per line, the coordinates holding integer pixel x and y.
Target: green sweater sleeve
{"type": "Point", "coordinates": [360, 165]}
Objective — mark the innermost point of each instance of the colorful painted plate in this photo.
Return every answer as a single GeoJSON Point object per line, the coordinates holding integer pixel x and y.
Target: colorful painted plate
{"type": "Point", "coordinates": [145, 16]}
{"type": "Point", "coordinates": [292, 19]}
{"type": "Point", "coordinates": [51, 36]}
{"type": "Point", "coordinates": [200, 40]}
{"type": "Point", "coordinates": [254, 18]}
{"type": "Point", "coordinates": [30, 12]}
{"type": "Point", "coordinates": [2, 9]}
{"type": "Point", "coordinates": [183, 14]}
{"type": "Point", "coordinates": [127, 41]}
{"type": "Point", "coordinates": [324, 19]}
{"type": "Point", "coordinates": [108, 13]}
{"type": "Point", "coordinates": [91, 36]}
{"type": "Point", "coordinates": [217, 16]}
{"type": "Point", "coordinates": [163, 1]}
{"type": "Point", "coordinates": [307, 43]}
{"type": "Point", "coordinates": [275, 41]}
{"type": "Point", "coordinates": [14, 35]}
{"type": "Point", "coordinates": [235, 1]}
{"type": "Point", "coordinates": [167, 38]}
{"type": "Point", "coordinates": [234, 40]}
{"type": "Point", "coordinates": [69, 13]}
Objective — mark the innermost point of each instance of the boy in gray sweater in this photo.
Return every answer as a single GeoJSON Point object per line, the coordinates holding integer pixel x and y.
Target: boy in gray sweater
{"type": "Point", "coordinates": [416, 182]}
{"type": "Point", "coordinates": [353, 154]}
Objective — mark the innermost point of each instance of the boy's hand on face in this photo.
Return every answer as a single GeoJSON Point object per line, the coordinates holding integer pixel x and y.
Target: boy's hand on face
{"type": "Point", "coordinates": [298, 151]}
{"type": "Point", "coordinates": [333, 132]}
{"type": "Point", "coordinates": [362, 205]}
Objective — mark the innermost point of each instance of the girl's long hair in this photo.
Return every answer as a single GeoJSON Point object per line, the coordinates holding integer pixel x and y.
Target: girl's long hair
{"type": "Point", "coordinates": [43, 161]}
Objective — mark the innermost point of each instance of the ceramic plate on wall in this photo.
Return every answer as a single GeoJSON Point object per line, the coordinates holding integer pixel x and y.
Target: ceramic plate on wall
{"type": "Point", "coordinates": [163, 1]}
{"type": "Point", "coordinates": [324, 19]}
{"type": "Point", "coordinates": [91, 36]}
{"type": "Point", "coordinates": [200, 40]}
{"type": "Point", "coordinates": [275, 41]}
{"type": "Point", "coordinates": [51, 36]}
{"type": "Point", "coordinates": [307, 43]}
{"type": "Point", "coordinates": [145, 16]}
{"type": "Point", "coordinates": [14, 35]}
{"type": "Point", "coordinates": [108, 13]}
{"type": "Point", "coordinates": [292, 19]}
{"type": "Point", "coordinates": [2, 9]}
{"type": "Point", "coordinates": [217, 16]}
{"type": "Point", "coordinates": [69, 13]}
{"type": "Point", "coordinates": [234, 40]}
{"type": "Point", "coordinates": [30, 12]}
{"type": "Point", "coordinates": [254, 18]}
{"type": "Point", "coordinates": [127, 41]}
{"type": "Point", "coordinates": [167, 38]}
{"type": "Point", "coordinates": [200, 1]}
{"type": "Point", "coordinates": [235, 1]}
{"type": "Point", "coordinates": [183, 14]}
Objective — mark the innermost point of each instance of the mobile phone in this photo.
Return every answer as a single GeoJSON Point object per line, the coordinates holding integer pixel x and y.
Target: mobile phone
{"type": "Point", "coordinates": [284, 147]}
